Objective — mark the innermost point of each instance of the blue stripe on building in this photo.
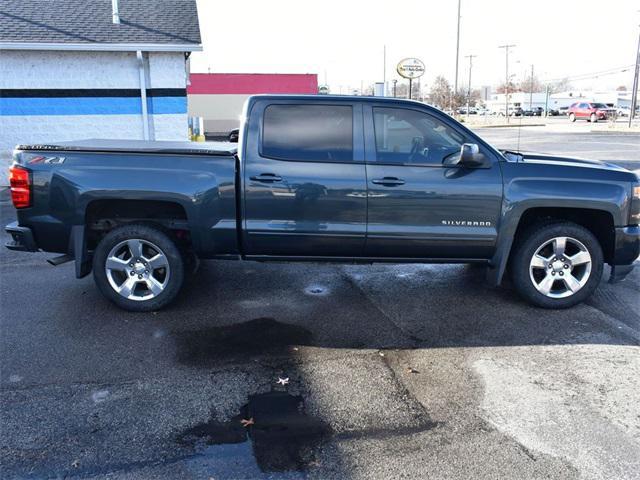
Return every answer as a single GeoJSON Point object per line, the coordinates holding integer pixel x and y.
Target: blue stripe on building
{"type": "Point", "coordinates": [90, 105]}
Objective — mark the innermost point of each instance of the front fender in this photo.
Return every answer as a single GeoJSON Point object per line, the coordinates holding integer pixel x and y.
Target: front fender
{"type": "Point", "coordinates": [522, 194]}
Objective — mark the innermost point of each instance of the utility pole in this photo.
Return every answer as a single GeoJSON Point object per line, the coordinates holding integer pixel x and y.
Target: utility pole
{"type": "Point", "coordinates": [531, 88]}
{"type": "Point", "coordinates": [506, 82]}
{"type": "Point", "coordinates": [384, 70]}
{"type": "Point", "coordinates": [455, 83]}
{"type": "Point", "coordinates": [470, 57]}
{"type": "Point", "coordinates": [394, 87]}
{"type": "Point", "coordinates": [634, 92]}
{"type": "Point", "coordinates": [546, 100]}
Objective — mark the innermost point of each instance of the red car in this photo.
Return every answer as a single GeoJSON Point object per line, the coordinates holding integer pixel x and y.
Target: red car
{"type": "Point", "coordinates": [590, 111]}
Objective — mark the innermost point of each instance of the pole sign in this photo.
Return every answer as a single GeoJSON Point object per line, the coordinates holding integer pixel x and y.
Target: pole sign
{"type": "Point", "coordinates": [410, 68]}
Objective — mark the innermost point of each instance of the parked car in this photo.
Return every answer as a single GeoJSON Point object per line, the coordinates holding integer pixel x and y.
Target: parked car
{"type": "Point", "coordinates": [563, 111]}
{"type": "Point", "coordinates": [623, 111]}
{"type": "Point", "coordinates": [552, 112]}
{"type": "Point", "coordinates": [533, 112]}
{"type": "Point", "coordinates": [325, 178]}
{"type": "Point", "coordinates": [590, 111]}
{"type": "Point", "coordinates": [513, 112]}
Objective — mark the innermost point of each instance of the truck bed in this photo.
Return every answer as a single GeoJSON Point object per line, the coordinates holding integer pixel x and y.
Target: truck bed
{"type": "Point", "coordinates": [139, 146]}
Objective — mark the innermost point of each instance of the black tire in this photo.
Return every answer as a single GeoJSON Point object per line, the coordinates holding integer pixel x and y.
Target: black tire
{"type": "Point", "coordinates": [528, 243]}
{"type": "Point", "coordinates": [158, 239]}
{"type": "Point", "coordinates": [593, 118]}
{"type": "Point", "coordinates": [572, 117]}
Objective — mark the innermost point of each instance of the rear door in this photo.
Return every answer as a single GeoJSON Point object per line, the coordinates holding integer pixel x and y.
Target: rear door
{"type": "Point", "coordinates": [419, 208]}
{"type": "Point", "coordinates": [304, 179]}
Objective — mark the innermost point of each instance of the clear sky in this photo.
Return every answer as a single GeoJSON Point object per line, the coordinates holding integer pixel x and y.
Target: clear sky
{"type": "Point", "coordinates": [345, 39]}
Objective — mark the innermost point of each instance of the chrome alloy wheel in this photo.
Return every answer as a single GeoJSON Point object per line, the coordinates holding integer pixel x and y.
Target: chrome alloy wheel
{"type": "Point", "coordinates": [560, 267]}
{"type": "Point", "coordinates": [137, 269]}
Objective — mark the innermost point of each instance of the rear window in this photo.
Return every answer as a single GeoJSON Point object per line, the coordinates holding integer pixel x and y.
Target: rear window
{"type": "Point", "coordinates": [311, 133]}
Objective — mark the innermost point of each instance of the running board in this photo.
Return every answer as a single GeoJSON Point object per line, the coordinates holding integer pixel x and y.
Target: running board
{"type": "Point", "coordinates": [55, 261]}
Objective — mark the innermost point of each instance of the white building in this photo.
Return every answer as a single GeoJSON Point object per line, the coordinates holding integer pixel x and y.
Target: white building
{"type": "Point", "coordinates": [609, 97]}
{"type": "Point", "coordinates": [525, 100]}
{"type": "Point", "coordinates": [78, 69]}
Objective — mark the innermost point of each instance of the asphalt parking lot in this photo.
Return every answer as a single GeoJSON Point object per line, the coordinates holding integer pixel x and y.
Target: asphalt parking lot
{"type": "Point", "coordinates": [564, 138]}
{"type": "Point", "coordinates": [409, 371]}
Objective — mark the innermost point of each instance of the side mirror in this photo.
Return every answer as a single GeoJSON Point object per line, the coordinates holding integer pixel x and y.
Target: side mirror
{"type": "Point", "coordinates": [470, 155]}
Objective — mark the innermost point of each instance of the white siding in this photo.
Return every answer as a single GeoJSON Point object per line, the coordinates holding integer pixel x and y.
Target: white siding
{"type": "Point", "coordinates": [73, 70]}
{"type": "Point", "coordinates": [51, 69]}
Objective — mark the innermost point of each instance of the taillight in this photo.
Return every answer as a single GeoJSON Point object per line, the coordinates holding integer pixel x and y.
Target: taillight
{"type": "Point", "coordinates": [634, 211]}
{"type": "Point", "coordinates": [20, 183]}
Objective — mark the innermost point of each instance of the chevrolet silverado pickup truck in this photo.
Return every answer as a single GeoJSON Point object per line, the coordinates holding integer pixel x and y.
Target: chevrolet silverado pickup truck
{"type": "Point", "coordinates": [325, 179]}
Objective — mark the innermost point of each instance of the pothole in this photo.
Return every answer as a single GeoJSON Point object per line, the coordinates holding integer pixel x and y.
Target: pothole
{"type": "Point", "coordinates": [271, 434]}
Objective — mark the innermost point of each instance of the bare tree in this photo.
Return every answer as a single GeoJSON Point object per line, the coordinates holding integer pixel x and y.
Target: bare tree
{"type": "Point", "coordinates": [512, 88]}
{"type": "Point", "coordinates": [530, 84]}
{"type": "Point", "coordinates": [560, 85]}
{"type": "Point", "coordinates": [441, 92]}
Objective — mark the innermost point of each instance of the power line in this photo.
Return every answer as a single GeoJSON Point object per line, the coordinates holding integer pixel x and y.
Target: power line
{"type": "Point", "coordinates": [588, 76]}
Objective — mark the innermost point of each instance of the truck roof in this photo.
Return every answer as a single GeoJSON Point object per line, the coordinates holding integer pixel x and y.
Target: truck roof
{"type": "Point", "coordinates": [139, 146]}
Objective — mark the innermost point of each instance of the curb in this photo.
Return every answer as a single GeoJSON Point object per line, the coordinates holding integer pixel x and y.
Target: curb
{"type": "Point", "coordinates": [632, 131]}
{"type": "Point", "coordinates": [507, 125]}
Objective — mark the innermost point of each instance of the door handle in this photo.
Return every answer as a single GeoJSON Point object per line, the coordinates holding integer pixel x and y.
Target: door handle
{"type": "Point", "coordinates": [266, 177]}
{"type": "Point", "coordinates": [388, 181]}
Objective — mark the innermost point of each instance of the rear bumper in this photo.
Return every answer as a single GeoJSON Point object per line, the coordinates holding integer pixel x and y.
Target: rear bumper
{"type": "Point", "coordinates": [21, 238]}
{"type": "Point", "coordinates": [626, 252]}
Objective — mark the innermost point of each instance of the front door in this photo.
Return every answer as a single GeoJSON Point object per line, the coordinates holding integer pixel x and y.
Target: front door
{"type": "Point", "coordinates": [304, 180]}
{"type": "Point", "coordinates": [418, 208]}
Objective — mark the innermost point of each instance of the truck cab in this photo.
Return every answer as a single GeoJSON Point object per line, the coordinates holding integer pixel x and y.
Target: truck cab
{"type": "Point", "coordinates": [360, 178]}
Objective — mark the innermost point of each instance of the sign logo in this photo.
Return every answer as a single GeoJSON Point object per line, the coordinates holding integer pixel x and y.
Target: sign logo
{"type": "Point", "coordinates": [410, 68]}
{"type": "Point", "coordinates": [466, 223]}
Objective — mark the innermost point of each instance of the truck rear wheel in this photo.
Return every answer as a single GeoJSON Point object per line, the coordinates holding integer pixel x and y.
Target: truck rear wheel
{"type": "Point", "coordinates": [138, 267]}
{"type": "Point", "coordinates": [557, 265]}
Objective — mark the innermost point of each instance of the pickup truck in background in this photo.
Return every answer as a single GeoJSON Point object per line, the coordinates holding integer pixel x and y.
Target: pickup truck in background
{"type": "Point", "coordinates": [325, 178]}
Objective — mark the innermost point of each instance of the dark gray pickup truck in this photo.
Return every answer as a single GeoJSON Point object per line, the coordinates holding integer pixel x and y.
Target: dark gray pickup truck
{"type": "Point", "coordinates": [322, 178]}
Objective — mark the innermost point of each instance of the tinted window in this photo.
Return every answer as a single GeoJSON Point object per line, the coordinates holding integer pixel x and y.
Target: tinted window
{"type": "Point", "coordinates": [411, 137]}
{"type": "Point", "coordinates": [584, 105]}
{"type": "Point", "coordinates": [308, 133]}
{"type": "Point", "coordinates": [598, 105]}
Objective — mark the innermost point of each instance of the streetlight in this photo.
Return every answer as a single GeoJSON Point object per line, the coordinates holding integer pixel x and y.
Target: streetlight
{"type": "Point", "coordinates": [506, 84]}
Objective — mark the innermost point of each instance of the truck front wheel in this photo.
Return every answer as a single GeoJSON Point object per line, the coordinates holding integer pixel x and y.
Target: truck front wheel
{"type": "Point", "coordinates": [557, 265]}
{"type": "Point", "coordinates": [138, 267]}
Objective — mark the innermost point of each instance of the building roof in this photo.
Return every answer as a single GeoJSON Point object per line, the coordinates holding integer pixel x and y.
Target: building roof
{"type": "Point", "coordinates": [88, 25]}
{"type": "Point", "coordinates": [251, 83]}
